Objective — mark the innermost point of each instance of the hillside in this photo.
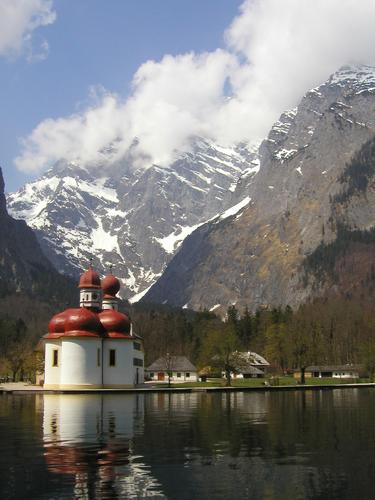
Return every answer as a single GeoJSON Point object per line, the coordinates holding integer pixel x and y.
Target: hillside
{"type": "Point", "coordinates": [314, 192]}
{"type": "Point", "coordinates": [24, 269]}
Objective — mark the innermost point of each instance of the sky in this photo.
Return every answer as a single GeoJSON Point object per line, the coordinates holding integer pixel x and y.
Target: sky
{"type": "Point", "coordinates": [84, 77]}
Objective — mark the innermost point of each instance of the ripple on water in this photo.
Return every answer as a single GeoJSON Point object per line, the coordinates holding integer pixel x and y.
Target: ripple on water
{"type": "Point", "coordinates": [315, 444]}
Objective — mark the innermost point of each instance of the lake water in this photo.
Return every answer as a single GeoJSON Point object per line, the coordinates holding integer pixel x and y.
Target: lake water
{"type": "Point", "coordinates": [279, 445]}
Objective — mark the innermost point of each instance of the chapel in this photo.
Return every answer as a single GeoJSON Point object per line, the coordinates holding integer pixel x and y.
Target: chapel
{"type": "Point", "coordinates": [93, 346]}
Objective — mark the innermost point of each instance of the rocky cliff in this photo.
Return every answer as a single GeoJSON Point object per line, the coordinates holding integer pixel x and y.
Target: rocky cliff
{"type": "Point", "coordinates": [303, 206]}
{"type": "Point", "coordinates": [131, 218]}
{"type": "Point", "coordinates": [23, 266]}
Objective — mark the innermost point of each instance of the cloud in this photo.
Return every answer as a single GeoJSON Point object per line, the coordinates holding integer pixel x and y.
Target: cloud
{"type": "Point", "coordinates": [18, 20]}
{"type": "Point", "coordinates": [275, 50]}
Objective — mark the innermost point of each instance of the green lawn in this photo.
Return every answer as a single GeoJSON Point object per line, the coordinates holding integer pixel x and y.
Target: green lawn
{"type": "Point", "coordinates": [261, 382]}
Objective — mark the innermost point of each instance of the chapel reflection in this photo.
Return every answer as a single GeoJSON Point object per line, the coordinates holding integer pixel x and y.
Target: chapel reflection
{"type": "Point", "coordinates": [127, 445]}
{"type": "Point", "coordinates": [90, 437]}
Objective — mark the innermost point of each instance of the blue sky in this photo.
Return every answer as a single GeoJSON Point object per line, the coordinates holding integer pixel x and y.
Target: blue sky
{"type": "Point", "coordinates": [81, 79]}
{"type": "Point", "coordinates": [98, 42]}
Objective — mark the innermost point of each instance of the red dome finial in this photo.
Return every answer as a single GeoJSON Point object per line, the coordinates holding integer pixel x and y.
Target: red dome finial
{"type": "Point", "coordinates": [90, 278]}
{"type": "Point", "coordinates": [110, 284]}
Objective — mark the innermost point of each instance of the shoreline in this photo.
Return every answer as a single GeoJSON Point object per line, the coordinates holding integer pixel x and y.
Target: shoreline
{"type": "Point", "coordinates": [22, 390]}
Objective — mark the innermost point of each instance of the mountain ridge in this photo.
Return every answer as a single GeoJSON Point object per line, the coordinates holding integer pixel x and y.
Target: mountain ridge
{"type": "Point", "coordinates": [257, 259]}
{"type": "Point", "coordinates": [133, 219]}
{"type": "Point", "coordinates": [24, 269]}
{"type": "Point", "coordinates": [145, 221]}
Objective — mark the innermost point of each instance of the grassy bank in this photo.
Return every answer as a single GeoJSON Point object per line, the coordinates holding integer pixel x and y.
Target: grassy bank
{"type": "Point", "coordinates": [261, 382]}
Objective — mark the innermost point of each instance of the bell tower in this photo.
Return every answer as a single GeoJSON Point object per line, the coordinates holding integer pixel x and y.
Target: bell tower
{"type": "Point", "coordinates": [111, 286]}
{"type": "Point", "coordinates": [90, 292]}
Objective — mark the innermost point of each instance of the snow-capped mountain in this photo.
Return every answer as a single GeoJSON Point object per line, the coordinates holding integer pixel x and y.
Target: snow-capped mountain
{"type": "Point", "coordinates": [273, 251]}
{"type": "Point", "coordinates": [133, 219]}
{"type": "Point", "coordinates": [23, 266]}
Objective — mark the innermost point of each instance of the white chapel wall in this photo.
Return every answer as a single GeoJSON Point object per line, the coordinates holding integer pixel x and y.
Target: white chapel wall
{"type": "Point", "coordinates": [79, 361]}
{"type": "Point", "coordinates": [52, 373]}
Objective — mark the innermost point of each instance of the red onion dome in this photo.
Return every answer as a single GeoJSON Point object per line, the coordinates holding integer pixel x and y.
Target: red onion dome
{"type": "Point", "coordinates": [56, 327]}
{"type": "Point", "coordinates": [111, 285]}
{"type": "Point", "coordinates": [89, 279]}
{"type": "Point", "coordinates": [116, 324]}
{"type": "Point", "coordinates": [82, 322]}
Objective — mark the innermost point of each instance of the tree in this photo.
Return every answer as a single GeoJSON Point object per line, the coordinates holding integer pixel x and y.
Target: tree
{"type": "Point", "coordinates": [16, 347]}
{"type": "Point", "coordinates": [306, 342]}
{"type": "Point", "coordinates": [276, 348]}
{"type": "Point", "coordinates": [368, 357]}
{"type": "Point", "coordinates": [246, 329]}
{"type": "Point", "coordinates": [220, 350]}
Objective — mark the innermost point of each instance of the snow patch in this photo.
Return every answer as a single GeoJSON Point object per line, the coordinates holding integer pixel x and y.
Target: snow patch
{"type": "Point", "coordinates": [214, 307]}
{"type": "Point", "coordinates": [235, 209]}
{"type": "Point", "coordinates": [171, 242]}
{"type": "Point", "coordinates": [137, 297]}
{"type": "Point", "coordinates": [103, 240]}
{"type": "Point", "coordinates": [285, 154]}
{"type": "Point", "coordinates": [190, 184]}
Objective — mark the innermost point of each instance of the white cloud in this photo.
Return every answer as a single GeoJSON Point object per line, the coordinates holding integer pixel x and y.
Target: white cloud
{"type": "Point", "coordinates": [18, 20]}
{"type": "Point", "coordinates": [275, 51]}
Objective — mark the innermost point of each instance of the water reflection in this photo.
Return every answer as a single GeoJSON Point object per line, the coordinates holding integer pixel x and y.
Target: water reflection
{"type": "Point", "coordinates": [265, 445]}
{"type": "Point", "coordinates": [89, 437]}
{"type": "Point", "coordinates": [292, 445]}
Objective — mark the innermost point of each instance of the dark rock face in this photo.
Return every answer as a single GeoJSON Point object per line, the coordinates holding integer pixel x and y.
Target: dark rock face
{"type": "Point", "coordinates": [258, 257]}
{"type": "Point", "coordinates": [3, 206]}
{"type": "Point", "coordinates": [23, 266]}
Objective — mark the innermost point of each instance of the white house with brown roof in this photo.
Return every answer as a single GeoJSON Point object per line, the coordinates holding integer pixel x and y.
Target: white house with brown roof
{"type": "Point", "coordinates": [174, 368]}
{"type": "Point", "coordinates": [249, 365]}
{"type": "Point", "coordinates": [332, 371]}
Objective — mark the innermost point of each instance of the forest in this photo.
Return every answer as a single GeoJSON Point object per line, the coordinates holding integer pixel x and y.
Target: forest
{"type": "Point", "coordinates": [324, 331]}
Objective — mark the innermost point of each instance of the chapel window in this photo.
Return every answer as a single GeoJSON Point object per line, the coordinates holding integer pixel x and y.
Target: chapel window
{"type": "Point", "coordinates": [112, 357]}
{"type": "Point", "coordinates": [55, 358]}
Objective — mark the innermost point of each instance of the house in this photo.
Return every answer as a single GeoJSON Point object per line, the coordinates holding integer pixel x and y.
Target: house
{"type": "Point", "coordinates": [173, 368]}
{"type": "Point", "coordinates": [249, 372]}
{"type": "Point", "coordinates": [331, 371]}
{"type": "Point", "coordinates": [249, 365]}
{"type": "Point", "coordinates": [93, 346]}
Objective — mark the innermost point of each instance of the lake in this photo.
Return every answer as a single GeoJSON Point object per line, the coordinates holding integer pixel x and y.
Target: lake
{"type": "Point", "coordinates": [240, 445]}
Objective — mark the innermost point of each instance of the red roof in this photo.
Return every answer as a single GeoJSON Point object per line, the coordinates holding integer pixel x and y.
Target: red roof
{"type": "Point", "coordinates": [111, 285]}
{"type": "Point", "coordinates": [89, 279]}
{"type": "Point", "coordinates": [80, 322]}
{"type": "Point", "coordinates": [116, 324]}
{"type": "Point", "coordinates": [56, 326]}
{"type": "Point", "coordinates": [84, 322]}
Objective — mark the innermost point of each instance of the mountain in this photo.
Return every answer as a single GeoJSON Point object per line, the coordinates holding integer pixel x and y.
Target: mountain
{"type": "Point", "coordinates": [131, 218]}
{"type": "Point", "coordinates": [24, 269]}
{"type": "Point", "coordinates": [308, 228]}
